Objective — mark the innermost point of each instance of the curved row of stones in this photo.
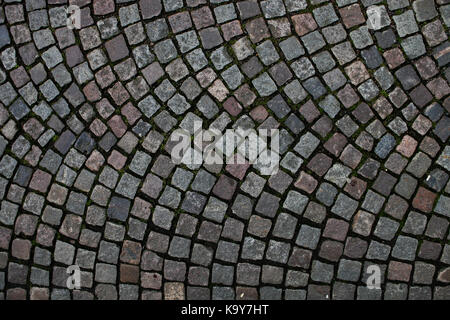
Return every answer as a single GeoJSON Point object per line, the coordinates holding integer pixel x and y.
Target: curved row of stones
{"type": "Point", "coordinates": [85, 171]}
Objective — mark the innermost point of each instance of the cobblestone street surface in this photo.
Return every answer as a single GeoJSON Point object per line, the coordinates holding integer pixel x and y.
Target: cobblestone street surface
{"type": "Point", "coordinates": [360, 205]}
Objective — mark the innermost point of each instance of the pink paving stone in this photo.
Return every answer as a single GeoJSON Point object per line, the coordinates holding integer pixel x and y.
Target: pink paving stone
{"type": "Point", "coordinates": [33, 156]}
{"type": "Point", "coordinates": [355, 187]}
{"type": "Point", "coordinates": [394, 58]}
{"type": "Point", "coordinates": [422, 124]}
{"type": "Point", "coordinates": [245, 95]}
{"type": "Point", "coordinates": [131, 113]}
{"type": "Point", "coordinates": [218, 90]}
{"type": "Point", "coordinates": [399, 271]}
{"type": "Point", "coordinates": [86, 18]}
{"type": "Point", "coordinates": [331, 250]}
{"type": "Point", "coordinates": [103, 7]}
{"type": "Point", "coordinates": [398, 97]}
{"type": "Point", "coordinates": [424, 200]}
{"type": "Point", "coordinates": [5, 237]}
{"type": "Point", "coordinates": [153, 72]}
{"type": "Point", "coordinates": [407, 146]}
{"type": "Point", "coordinates": [362, 223]}
{"type": "Point", "coordinates": [152, 186]}
{"type": "Point", "coordinates": [141, 208]}
{"type": "Point", "coordinates": [426, 67]}
{"type": "Point", "coordinates": [202, 17]}
{"type": "Point", "coordinates": [39, 293]}
{"type": "Point", "coordinates": [444, 275]}
{"type": "Point", "coordinates": [232, 106]}
{"type": "Point", "coordinates": [105, 77]}
{"type": "Point", "coordinates": [57, 194]}
{"type": "Point", "coordinates": [150, 8]}
{"type": "Point", "coordinates": [336, 144]}
{"type": "Point", "coordinates": [117, 160]}
{"type": "Point", "coordinates": [438, 87]}
{"type": "Point", "coordinates": [225, 187]}
{"type": "Point", "coordinates": [320, 164]}
{"type": "Point", "coordinates": [357, 72]}
{"type": "Point", "coordinates": [309, 111]}
{"type": "Point", "coordinates": [304, 23]}
{"type": "Point", "coordinates": [351, 156]}
{"type": "Point", "coordinates": [119, 94]}
{"type": "Point", "coordinates": [206, 77]}
{"type": "Point", "coordinates": [352, 16]}
{"type": "Point", "coordinates": [306, 182]}
{"type": "Point", "coordinates": [430, 146]}
{"type": "Point", "coordinates": [92, 92]}
{"type": "Point", "coordinates": [257, 30]}
{"type": "Point", "coordinates": [336, 229]}
{"type": "Point", "coordinates": [151, 280]}
{"type": "Point", "coordinates": [383, 107]}
{"type": "Point", "coordinates": [238, 168]}
{"type": "Point", "coordinates": [98, 128]}
{"type": "Point", "coordinates": [34, 128]}
{"type": "Point", "coordinates": [16, 294]}
{"type": "Point", "coordinates": [25, 224]}
{"type": "Point", "coordinates": [259, 114]}
{"type": "Point", "coordinates": [40, 181]}
{"type": "Point", "coordinates": [74, 56]}
{"type": "Point", "coordinates": [21, 249]}
{"type": "Point", "coordinates": [117, 126]}
{"type": "Point", "coordinates": [117, 48]}
{"type": "Point", "coordinates": [348, 96]}
{"type": "Point", "coordinates": [231, 29]}
{"type": "Point", "coordinates": [19, 76]}
{"type": "Point", "coordinates": [95, 161]}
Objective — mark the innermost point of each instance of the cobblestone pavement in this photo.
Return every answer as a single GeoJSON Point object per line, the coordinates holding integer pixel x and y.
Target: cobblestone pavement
{"type": "Point", "coordinates": [360, 95]}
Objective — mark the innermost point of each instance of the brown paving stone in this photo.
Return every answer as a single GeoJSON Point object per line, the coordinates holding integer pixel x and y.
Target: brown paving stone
{"type": "Point", "coordinates": [225, 187]}
{"type": "Point", "coordinates": [231, 29]}
{"type": "Point", "coordinates": [320, 164]}
{"type": "Point", "coordinates": [103, 7]}
{"type": "Point", "coordinates": [40, 181]}
{"type": "Point", "coordinates": [331, 250]}
{"type": "Point", "coordinates": [117, 48]}
{"type": "Point", "coordinates": [306, 182]}
{"type": "Point", "coordinates": [202, 17]}
{"type": "Point", "coordinates": [129, 273]}
{"type": "Point", "coordinates": [257, 30]}
{"type": "Point", "coordinates": [304, 23]}
{"type": "Point", "coordinates": [399, 271]}
{"type": "Point", "coordinates": [424, 200]}
{"type": "Point", "coordinates": [352, 16]}
{"type": "Point", "coordinates": [336, 229]}
{"type": "Point", "coordinates": [357, 72]}
{"type": "Point", "coordinates": [407, 146]}
{"type": "Point", "coordinates": [355, 187]}
{"type": "Point", "coordinates": [394, 58]}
